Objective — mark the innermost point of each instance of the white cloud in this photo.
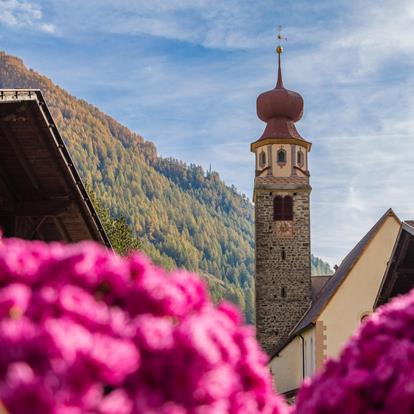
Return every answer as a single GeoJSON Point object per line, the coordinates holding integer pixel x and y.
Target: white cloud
{"type": "Point", "coordinates": [353, 66]}
{"type": "Point", "coordinates": [47, 27]}
{"type": "Point", "coordinates": [221, 24]}
{"type": "Point", "coordinates": [23, 14]}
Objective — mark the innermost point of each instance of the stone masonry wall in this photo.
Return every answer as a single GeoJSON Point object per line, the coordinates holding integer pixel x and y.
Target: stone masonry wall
{"type": "Point", "coordinates": [277, 312]}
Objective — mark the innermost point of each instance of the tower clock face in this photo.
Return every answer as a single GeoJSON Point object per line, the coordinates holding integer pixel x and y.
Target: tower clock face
{"type": "Point", "coordinates": [284, 229]}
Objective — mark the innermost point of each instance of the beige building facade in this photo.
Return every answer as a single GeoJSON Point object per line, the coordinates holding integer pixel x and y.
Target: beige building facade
{"type": "Point", "coordinates": [337, 308]}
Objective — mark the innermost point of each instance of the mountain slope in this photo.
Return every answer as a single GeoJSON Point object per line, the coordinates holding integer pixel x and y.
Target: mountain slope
{"type": "Point", "coordinates": [182, 215]}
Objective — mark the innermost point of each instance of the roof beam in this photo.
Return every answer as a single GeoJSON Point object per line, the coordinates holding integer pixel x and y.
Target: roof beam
{"type": "Point", "coordinates": [21, 157]}
{"type": "Point", "coordinates": [62, 230]}
{"type": "Point", "coordinates": [35, 208]}
{"type": "Point", "coordinates": [393, 275]}
{"type": "Point", "coordinates": [6, 204]}
{"type": "Point", "coordinates": [6, 187]}
{"type": "Point", "coordinates": [406, 271]}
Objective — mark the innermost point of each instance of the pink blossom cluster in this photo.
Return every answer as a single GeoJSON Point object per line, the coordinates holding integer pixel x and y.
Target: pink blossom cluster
{"type": "Point", "coordinates": [374, 373]}
{"type": "Point", "coordinates": [83, 330]}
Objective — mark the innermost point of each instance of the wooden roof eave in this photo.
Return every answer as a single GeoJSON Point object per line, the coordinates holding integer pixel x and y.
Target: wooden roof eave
{"type": "Point", "coordinates": [89, 214]}
{"type": "Point", "coordinates": [404, 231]}
{"type": "Point", "coordinates": [58, 149]}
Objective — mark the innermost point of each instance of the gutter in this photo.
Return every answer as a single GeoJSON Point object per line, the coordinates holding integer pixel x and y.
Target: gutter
{"type": "Point", "coordinates": [303, 356]}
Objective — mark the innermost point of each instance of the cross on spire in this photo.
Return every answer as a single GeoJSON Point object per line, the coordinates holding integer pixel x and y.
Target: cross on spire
{"type": "Point", "coordinates": [280, 37]}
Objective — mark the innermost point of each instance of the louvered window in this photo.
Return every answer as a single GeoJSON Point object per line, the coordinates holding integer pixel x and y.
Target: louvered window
{"type": "Point", "coordinates": [282, 208]}
{"type": "Point", "coordinates": [278, 208]}
{"type": "Point", "coordinates": [288, 208]}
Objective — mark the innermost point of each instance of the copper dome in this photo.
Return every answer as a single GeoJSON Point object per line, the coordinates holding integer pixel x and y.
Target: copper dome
{"type": "Point", "coordinates": [280, 108]}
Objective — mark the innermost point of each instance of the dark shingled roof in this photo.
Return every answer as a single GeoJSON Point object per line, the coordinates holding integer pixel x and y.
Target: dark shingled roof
{"type": "Point", "coordinates": [318, 283]}
{"type": "Point", "coordinates": [335, 281]}
{"type": "Point", "coordinates": [41, 193]}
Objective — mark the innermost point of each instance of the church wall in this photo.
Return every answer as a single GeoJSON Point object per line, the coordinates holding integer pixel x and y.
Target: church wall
{"type": "Point", "coordinates": [356, 296]}
{"type": "Point", "coordinates": [288, 367]}
{"type": "Point", "coordinates": [320, 344]}
{"type": "Point", "coordinates": [310, 352]}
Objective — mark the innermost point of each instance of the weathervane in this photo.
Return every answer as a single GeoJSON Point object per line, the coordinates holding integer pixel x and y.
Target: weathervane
{"type": "Point", "coordinates": [280, 37]}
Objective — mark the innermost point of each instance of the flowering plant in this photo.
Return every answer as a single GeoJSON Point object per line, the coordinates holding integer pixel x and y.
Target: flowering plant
{"type": "Point", "coordinates": [83, 330]}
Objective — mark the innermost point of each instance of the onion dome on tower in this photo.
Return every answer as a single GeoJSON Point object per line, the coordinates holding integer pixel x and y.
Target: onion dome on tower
{"type": "Point", "coordinates": [280, 108]}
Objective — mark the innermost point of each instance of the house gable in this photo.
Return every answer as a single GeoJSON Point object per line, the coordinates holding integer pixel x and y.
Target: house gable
{"type": "Point", "coordinates": [355, 297]}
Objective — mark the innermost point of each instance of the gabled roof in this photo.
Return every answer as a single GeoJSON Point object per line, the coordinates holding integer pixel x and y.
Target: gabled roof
{"type": "Point", "coordinates": [330, 288]}
{"type": "Point", "coordinates": [399, 275]}
{"type": "Point", "coordinates": [40, 189]}
{"type": "Point", "coordinates": [318, 283]}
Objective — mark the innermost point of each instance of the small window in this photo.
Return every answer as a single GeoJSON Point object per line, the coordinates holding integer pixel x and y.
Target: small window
{"type": "Point", "coordinates": [283, 253]}
{"type": "Point", "coordinates": [283, 292]}
{"type": "Point", "coordinates": [300, 158]}
{"type": "Point", "coordinates": [262, 159]}
{"type": "Point", "coordinates": [281, 156]}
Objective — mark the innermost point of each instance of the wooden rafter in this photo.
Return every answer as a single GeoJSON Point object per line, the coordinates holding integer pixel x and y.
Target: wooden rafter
{"type": "Point", "coordinates": [62, 230]}
{"type": "Point", "coordinates": [35, 208]}
{"type": "Point", "coordinates": [395, 270]}
{"type": "Point", "coordinates": [21, 157]}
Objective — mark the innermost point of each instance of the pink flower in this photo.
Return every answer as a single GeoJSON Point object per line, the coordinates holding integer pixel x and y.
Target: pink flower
{"type": "Point", "coordinates": [14, 300]}
{"type": "Point", "coordinates": [115, 358]}
{"type": "Point", "coordinates": [83, 330]}
{"type": "Point", "coordinates": [117, 402]}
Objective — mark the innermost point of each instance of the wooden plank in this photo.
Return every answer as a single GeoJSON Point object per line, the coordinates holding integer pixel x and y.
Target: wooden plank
{"type": "Point", "coordinates": [62, 230]}
{"type": "Point", "coordinates": [394, 275]}
{"type": "Point", "coordinates": [6, 204]}
{"type": "Point", "coordinates": [36, 208]}
{"type": "Point", "coordinates": [23, 161]}
{"type": "Point", "coordinates": [6, 187]}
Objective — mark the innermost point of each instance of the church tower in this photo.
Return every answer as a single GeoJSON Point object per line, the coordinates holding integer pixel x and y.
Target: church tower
{"type": "Point", "coordinates": [281, 197]}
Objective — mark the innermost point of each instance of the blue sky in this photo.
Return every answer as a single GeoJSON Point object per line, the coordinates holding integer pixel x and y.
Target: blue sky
{"type": "Point", "coordinates": [186, 73]}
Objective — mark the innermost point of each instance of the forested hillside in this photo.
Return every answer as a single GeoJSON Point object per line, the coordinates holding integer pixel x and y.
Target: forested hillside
{"type": "Point", "coordinates": [181, 215]}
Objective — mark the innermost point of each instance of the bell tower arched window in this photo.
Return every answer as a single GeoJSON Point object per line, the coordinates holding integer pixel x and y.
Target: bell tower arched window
{"type": "Point", "coordinates": [282, 208]}
{"type": "Point", "coordinates": [278, 208]}
{"type": "Point", "coordinates": [281, 156]}
{"type": "Point", "coordinates": [262, 159]}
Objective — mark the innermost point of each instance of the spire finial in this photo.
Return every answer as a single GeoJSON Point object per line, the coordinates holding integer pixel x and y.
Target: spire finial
{"type": "Point", "coordinates": [279, 50]}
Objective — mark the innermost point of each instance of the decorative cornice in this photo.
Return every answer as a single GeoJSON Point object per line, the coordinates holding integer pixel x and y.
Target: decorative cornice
{"type": "Point", "coordinates": [274, 186]}
{"type": "Point", "coordinates": [258, 172]}
{"type": "Point", "coordinates": [307, 173]}
{"type": "Point", "coordinates": [267, 141]}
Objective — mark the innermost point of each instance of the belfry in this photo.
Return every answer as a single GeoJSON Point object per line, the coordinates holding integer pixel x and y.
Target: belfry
{"type": "Point", "coordinates": [281, 197]}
